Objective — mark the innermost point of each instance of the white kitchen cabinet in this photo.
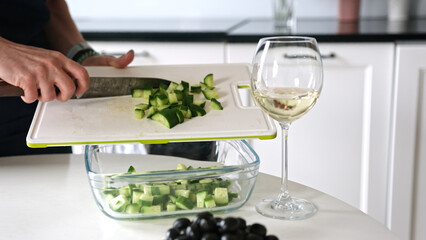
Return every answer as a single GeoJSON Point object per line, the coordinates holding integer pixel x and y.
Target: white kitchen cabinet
{"type": "Point", "coordinates": [407, 216]}
{"type": "Point", "coordinates": [341, 146]}
{"type": "Point", "coordinates": [165, 53]}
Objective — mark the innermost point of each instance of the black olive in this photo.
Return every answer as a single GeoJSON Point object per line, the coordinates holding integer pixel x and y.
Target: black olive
{"type": "Point", "coordinates": [241, 223]}
{"type": "Point", "coordinates": [217, 220]}
{"type": "Point", "coordinates": [271, 237]}
{"type": "Point", "coordinates": [171, 234]}
{"type": "Point", "coordinates": [252, 236]}
{"type": "Point", "coordinates": [210, 236]}
{"type": "Point", "coordinates": [257, 229]}
{"type": "Point", "coordinates": [229, 225]}
{"type": "Point", "coordinates": [183, 238]}
{"type": "Point", "coordinates": [181, 223]}
{"type": "Point", "coordinates": [202, 215]}
{"type": "Point", "coordinates": [229, 236]}
{"type": "Point", "coordinates": [193, 231]}
{"type": "Point", "coordinates": [208, 225]}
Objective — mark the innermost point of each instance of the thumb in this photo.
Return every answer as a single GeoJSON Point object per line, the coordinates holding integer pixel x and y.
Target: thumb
{"type": "Point", "coordinates": [123, 61]}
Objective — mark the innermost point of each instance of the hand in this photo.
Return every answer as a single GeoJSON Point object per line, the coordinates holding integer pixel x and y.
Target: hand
{"type": "Point", "coordinates": [38, 71]}
{"type": "Point", "coordinates": [103, 60]}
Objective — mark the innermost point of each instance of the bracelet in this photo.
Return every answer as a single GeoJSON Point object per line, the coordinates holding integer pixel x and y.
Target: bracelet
{"type": "Point", "coordinates": [89, 53]}
{"type": "Point", "coordinates": [80, 51]}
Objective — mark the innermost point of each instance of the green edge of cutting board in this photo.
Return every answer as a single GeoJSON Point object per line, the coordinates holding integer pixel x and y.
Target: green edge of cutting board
{"type": "Point", "coordinates": [159, 141]}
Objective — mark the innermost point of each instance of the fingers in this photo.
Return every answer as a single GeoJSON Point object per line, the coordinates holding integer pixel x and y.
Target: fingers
{"type": "Point", "coordinates": [123, 61]}
{"type": "Point", "coordinates": [81, 76]}
{"type": "Point", "coordinates": [55, 82]}
{"type": "Point", "coordinates": [103, 60]}
{"type": "Point", "coordinates": [30, 92]}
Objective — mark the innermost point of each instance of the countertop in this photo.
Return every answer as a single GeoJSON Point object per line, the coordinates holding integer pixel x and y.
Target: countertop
{"type": "Point", "coordinates": [48, 197]}
{"type": "Point", "coordinates": [248, 30]}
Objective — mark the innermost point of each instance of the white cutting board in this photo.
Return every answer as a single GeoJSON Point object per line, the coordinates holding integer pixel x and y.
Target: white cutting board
{"type": "Point", "coordinates": [111, 120]}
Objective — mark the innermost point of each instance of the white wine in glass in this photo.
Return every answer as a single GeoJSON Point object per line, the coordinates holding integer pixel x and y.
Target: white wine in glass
{"type": "Point", "coordinates": [286, 82]}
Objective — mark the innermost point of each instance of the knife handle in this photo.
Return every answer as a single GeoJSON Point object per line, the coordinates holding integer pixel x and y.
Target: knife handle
{"type": "Point", "coordinates": [8, 90]}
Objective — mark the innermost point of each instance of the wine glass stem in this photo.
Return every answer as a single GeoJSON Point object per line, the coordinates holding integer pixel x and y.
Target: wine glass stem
{"type": "Point", "coordinates": [284, 194]}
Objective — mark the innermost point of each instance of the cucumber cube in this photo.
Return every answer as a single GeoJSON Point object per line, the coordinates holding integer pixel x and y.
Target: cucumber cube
{"type": "Point", "coordinates": [184, 193]}
{"type": "Point", "coordinates": [210, 93]}
{"type": "Point", "coordinates": [215, 104]}
{"type": "Point", "coordinates": [136, 194]}
{"type": "Point", "coordinates": [209, 202]}
{"type": "Point", "coordinates": [172, 97]}
{"type": "Point", "coordinates": [139, 113]}
{"type": "Point", "coordinates": [151, 209]}
{"type": "Point", "coordinates": [208, 80]}
{"type": "Point", "coordinates": [181, 166]}
{"type": "Point", "coordinates": [172, 87]}
{"type": "Point", "coordinates": [133, 208]}
{"type": "Point", "coordinates": [142, 106]}
{"type": "Point", "coordinates": [221, 196]}
{"type": "Point", "coordinates": [201, 196]}
{"type": "Point", "coordinates": [195, 89]}
{"type": "Point", "coordinates": [145, 200]}
{"type": "Point", "coordinates": [119, 203]}
{"type": "Point", "coordinates": [184, 203]}
{"type": "Point", "coordinates": [125, 191]}
{"type": "Point", "coordinates": [171, 207]}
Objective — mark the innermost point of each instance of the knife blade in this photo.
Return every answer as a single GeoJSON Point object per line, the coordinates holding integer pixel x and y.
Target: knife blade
{"type": "Point", "coordinates": [99, 86]}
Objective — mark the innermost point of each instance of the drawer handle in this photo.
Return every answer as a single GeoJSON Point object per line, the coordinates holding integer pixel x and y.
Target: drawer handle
{"type": "Point", "coordinates": [328, 56]}
{"type": "Point", "coordinates": [144, 54]}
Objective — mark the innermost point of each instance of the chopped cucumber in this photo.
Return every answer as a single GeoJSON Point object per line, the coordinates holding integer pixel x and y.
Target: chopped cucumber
{"type": "Point", "coordinates": [184, 203]}
{"type": "Point", "coordinates": [119, 203]}
{"type": "Point", "coordinates": [208, 80]}
{"type": "Point", "coordinates": [171, 207]}
{"type": "Point", "coordinates": [201, 196]}
{"type": "Point", "coordinates": [175, 96]}
{"type": "Point", "coordinates": [181, 166]}
{"type": "Point", "coordinates": [145, 199]}
{"type": "Point", "coordinates": [210, 93]}
{"type": "Point", "coordinates": [221, 196]}
{"type": "Point", "coordinates": [133, 208]}
{"type": "Point", "coordinates": [151, 209]}
{"type": "Point", "coordinates": [196, 89]}
{"type": "Point", "coordinates": [209, 202]}
{"type": "Point", "coordinates": [184, 194]}
{"type": "Point", "coordinates": [215, 104]}
{"type": "Point", "coordinates": [139, 113]}
{"type": "Point", "coordinates": [167, 117]}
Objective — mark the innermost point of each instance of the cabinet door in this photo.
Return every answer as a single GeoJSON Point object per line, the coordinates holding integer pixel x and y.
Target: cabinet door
{"type": "Point", "coordinates": [341, 146]}
{"type": "Point", "coordinates": [408, 206]}
{"type": "Point", "coordinates": [165, 53]}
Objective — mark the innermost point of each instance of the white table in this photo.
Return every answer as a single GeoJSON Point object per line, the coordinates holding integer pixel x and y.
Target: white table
{"type": "Point", "coordinates": [48, 197]}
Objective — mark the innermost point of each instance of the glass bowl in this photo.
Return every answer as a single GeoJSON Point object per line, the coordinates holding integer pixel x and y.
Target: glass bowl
{"type": "Point", "coordinates": [135, 181]}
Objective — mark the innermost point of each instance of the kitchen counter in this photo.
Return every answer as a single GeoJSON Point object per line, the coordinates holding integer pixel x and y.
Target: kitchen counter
{"type": "Point", "coordinates": [248, 30]}
{"type": "Point", "coordinates": [48, 197]}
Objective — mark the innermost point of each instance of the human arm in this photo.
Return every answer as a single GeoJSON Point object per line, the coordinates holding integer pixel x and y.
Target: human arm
{"type": "Point", "coordinates": [37, 71]}
{"type": "Point", "coordinates": [61, 34]}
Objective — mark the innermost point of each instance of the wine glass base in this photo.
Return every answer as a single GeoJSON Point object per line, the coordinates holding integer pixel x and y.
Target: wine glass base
{"type": "Point", "coordinates": [291, 209]}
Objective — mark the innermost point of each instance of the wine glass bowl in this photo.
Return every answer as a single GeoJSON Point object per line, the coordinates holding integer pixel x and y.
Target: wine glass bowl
{"type": "Point", "coordinates": [286, 82]}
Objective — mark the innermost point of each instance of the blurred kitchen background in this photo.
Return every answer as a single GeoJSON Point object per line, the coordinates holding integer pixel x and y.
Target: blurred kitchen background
{"type": "Point", "coordinates": [217, 9]}
{"type": "Point", "coordinates": [365, 140]}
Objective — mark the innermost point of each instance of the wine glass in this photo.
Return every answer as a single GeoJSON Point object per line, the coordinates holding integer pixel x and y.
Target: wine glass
{"type": "Point", "coordinates": [286, 82]}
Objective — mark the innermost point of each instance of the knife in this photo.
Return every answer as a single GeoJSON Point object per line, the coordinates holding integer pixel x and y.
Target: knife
{"type": "Point", "coordinates": [99, 86]}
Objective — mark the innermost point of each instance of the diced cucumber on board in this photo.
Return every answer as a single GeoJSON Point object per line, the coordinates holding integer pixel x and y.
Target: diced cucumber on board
{"type": "Point", "coordinates": [178, 97]}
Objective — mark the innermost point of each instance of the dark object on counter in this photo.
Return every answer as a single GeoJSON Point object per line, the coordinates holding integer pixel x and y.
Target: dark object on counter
{"type": "Point", "coordinates": [204, 151]}
{"type": "Point", "coordinates": [205, 226]}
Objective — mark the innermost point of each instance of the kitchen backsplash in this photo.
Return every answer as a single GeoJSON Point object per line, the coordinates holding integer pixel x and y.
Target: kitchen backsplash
{"type": "Point", "coordinates": [82, 9]}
